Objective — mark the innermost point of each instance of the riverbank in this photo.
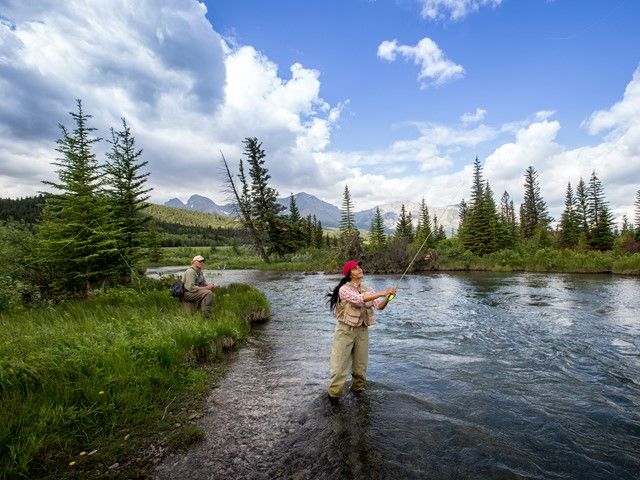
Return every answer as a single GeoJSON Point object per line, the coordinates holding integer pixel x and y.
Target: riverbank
{"type": "Point", "coordinates": [546, 260]}
{"type": "Point", "coordinates": [107, 386]}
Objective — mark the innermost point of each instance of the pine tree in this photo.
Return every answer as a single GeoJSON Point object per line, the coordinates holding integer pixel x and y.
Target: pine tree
{"type": "Point", "coordinates": [243, 205]}
{"type": "Point", "coordinates": [581, 210]}
{"type": "Point", "coordinates": [506, 222]}
{"type": "Point", "coordinates": [350, 241]}
{"type": "Point", "coordinates": [569, 234]}
{"type": "Point", "coordinates": [377, 237]}
{"type": "Point", "coordinates": [318, 235]}
{"type": "Point", "coordinates": [404, 227]}
{"type": "Point", "coordinates": [438, 231]}
{"type": "Point", "coordinates": [599, 217]}
{"type": "Point", "coordinates": [77, 236]}
{"type": "Point", "coordinates": [534, 214]}
{"type": "Point", "coordinates": [463, 212]}
{"type": "Point", "coordinates": [477, 232]}
{"type": "Point", "coordinates": [128, 196]}
{"type": "Point", "coordinates": [296, 237]}
{"type": "Point", "coordinates": [423, 231]}
{"type": "Point", "coordinates": [264, 205]}
{"type": "Point", "coordinates": [309, 231]}
{"type": "Point", "coordinates": [347, 216]}
{"type": "Point", "coordinates": [294, 213]}
{"type": "Point", "coordinates": [496, 235]}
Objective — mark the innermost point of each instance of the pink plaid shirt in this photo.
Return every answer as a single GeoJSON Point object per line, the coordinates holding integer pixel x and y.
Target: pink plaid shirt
{"type": "Point", "coordinates": [349, 293]}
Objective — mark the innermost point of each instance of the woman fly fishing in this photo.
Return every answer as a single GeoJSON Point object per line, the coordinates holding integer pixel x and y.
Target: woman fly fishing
{"type": "Point", "coordinates": [353, 304]}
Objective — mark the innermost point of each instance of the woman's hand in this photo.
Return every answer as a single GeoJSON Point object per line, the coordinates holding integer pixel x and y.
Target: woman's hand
{"type": "Point", "coordinates": [389, 291]}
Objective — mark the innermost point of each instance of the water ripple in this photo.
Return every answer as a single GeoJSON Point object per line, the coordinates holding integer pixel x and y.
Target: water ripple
{"type": "Point", "coordinates": [483, 376]}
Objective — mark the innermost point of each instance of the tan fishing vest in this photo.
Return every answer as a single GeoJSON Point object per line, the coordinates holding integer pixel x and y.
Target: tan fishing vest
{"type": "Point", "coordinates": [354, 315]}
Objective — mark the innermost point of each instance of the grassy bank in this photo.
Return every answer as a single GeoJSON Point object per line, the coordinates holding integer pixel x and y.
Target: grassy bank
{"type": "Point", "coordinates": [221, 258]}
{"type": "Point", "coordinates": [542, 260]}
{"type": "Point", "coordinates": [87, 387]}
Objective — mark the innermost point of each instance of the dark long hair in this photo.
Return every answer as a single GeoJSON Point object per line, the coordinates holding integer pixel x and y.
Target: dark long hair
{"type": "Point", "coordinates": [334, 294]}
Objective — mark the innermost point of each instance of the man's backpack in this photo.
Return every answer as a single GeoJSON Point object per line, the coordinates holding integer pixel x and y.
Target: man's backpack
{"type": "Point", "coordinates": [177, 290]}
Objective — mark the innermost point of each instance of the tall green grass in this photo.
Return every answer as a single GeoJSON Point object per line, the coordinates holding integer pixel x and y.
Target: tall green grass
{"type": "Point", "coordinates": [82, 376]}
{"type": "Point", "coordinates": [244, 257]}
{"type": "Point", "coordinates": [509, 260]}
{"type": "Point", "coordinates": [545, 260]}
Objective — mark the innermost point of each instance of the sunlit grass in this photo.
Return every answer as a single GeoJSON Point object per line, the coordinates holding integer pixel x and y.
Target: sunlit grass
{"type": "Point", "coordinates": [81, 376]}
{"type": "Point", "coordinates": [546, 260]}
{"type": "Point", "coordinates": [227, 257]}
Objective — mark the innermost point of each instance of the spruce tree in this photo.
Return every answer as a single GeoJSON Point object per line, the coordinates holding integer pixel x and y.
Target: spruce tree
{"type": "Point", "coordinates": [475, 233]}
{"type": "Point", "coordinates": [127, 193]}
{"type": "Point", "coordinates": [264, 205]}
{"type": "Point", "coordinates": [568, 228]}
{"type": "Point", "coordinates": [598, 215]}
{"type": "Point", "coordinates": [377, 237]}
{"type": "Point", "coordinates": [423, 231]}
{"type": "Point", "coordinates": [463, 212]}
{"type": "Point", "coordinates": [294, 213]}
{"type": "Point", "coordinates": [506, 222]}
{"type": "Point", "coordinates": [496, 238]}
{"type": "Point", "coordinates": [318, 234]}
{"type": "Point", "coordinates": [350, 240]}
{"type": "Point", "coordinates": [581, 210]}
{"type": "Point", "coordinates": [77, 237]}
{"type": "Point", "coordinates": [243, 205]}
{"type": "Point", "coordinates": [309, 231]}
{"type": "Point", "coordinates": [296, 237]}
{"type": "Point", "coordinates": [534, 214]}
{"type": "Point", "coordinates": [438, 231]}
{"type": "Point", "coordinates": [347, 216]}
{"type": "Point", "coordinates": [404, 227]}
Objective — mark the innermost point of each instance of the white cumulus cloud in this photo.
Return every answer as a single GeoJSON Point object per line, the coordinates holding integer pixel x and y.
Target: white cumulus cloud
{"type": "Point", "coordinates": [186, 94]}
{"type": "Point", "coordinates": [435, 67]}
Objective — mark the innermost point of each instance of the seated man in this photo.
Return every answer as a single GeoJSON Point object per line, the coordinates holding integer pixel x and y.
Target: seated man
{"type": "Point", "coordinates": [196, 289]}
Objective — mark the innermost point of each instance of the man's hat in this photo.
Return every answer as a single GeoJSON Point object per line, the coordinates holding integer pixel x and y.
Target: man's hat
{"type": "Point", "coordinates": [198, 258]}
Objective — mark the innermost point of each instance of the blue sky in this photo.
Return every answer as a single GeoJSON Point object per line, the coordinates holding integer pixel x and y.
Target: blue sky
{"type": "Point", "coordinates": [393, 98]}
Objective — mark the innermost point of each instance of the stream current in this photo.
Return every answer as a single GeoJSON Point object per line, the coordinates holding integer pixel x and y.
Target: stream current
{"type": "Point", "coordinates": [471, 375]}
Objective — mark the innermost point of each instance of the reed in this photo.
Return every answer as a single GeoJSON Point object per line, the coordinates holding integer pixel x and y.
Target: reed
{"type": "Point", "coordinates": [82, 376]}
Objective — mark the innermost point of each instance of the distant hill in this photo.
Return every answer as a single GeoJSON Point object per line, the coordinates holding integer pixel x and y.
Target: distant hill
{"type": "Point", "coordinates": [328, 214]}
{"type": "Point", "coordinates": [27, 209]}
{"type": "Point", "coordinates": [190, 218]}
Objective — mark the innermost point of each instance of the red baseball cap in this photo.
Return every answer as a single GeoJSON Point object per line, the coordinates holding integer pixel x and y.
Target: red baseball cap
{"type": "Point", "coordinates": [350, 265]}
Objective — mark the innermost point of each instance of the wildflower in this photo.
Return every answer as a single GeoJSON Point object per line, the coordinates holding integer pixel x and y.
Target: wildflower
{"type": "Point", "coordinates": [101, 392]}
{"type": "Point", "coordinates": [83, 453]}
{"type": "Point", "coordinates": [72, 463]}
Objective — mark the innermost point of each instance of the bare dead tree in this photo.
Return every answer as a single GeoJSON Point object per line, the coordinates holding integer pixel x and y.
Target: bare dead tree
{"type": "Point", "coordinates": [244, 209]}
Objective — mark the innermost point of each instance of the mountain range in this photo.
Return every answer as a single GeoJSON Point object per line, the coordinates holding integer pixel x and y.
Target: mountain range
{"type": "Point", "coordinates": [328, 214]}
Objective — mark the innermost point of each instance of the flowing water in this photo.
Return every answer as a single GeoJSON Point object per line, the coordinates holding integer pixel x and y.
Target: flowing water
{"type": "Point", "coordinates": [471, 375]}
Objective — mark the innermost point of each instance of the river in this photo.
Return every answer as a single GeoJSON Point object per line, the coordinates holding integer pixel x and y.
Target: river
{"type": "Point", "coordinates": [471, 375]}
